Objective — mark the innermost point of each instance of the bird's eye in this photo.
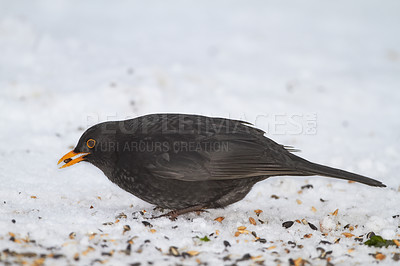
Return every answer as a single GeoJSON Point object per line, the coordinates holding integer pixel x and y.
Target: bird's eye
{"type": "Point", "coordinates": [90, 143]}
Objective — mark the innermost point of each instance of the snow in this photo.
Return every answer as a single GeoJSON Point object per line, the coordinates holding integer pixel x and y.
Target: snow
{"type": "Point", "coordinates": [320, 76]}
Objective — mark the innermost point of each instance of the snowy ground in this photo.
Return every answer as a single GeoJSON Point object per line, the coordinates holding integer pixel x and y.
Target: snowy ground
{"type": "Point", "coordinates": [323, 76]}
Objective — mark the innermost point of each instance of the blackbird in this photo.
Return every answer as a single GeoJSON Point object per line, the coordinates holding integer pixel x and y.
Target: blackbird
{"type": "Point", "coordinates": [190, 162]}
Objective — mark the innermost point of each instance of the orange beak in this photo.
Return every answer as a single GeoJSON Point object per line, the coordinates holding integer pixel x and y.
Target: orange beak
{"type": "Point", "coordinates": [67, 158]}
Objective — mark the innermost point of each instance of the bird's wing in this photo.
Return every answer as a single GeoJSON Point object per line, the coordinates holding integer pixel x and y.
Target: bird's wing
{"type": "Point", "coordinates": [229, 156]}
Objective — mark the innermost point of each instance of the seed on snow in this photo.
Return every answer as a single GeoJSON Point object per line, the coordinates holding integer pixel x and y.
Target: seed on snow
{"type": "Point", "coordinates": [287, 224]}
{"type": "Point", "coordinates": [72, 235]}
{"type": "Point", "coordinates": [347, 234]}
{"type": "Point", "coordinates": [219, 219]}
{"type": "Point", "coordinates": [126, 228]}
{"type": "Point", "coordinates": [174, 251]}
{"type": "Point", "coordinates": [258, 212]}
{"type": "Point", "coordinates": [252, 221]}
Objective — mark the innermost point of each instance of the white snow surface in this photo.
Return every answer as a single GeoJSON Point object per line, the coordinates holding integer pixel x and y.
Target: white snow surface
{"type": "Point", "coordinates": [321, 76]}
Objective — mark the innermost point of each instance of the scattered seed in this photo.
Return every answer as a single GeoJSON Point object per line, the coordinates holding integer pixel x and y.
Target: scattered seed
{"type": "Point", "coordinates": [241, 228]}
{"type": "Point", "coordinates": [33, 197]}
{"type": "Point", "coordinates": [219, 219]}
{"type": "Point", "coordinates": [347, 235]}
{"type": "Point", "coordinates": [257, 259]}
{"type": "Point", "coordinates": [261, 240]}
{"type": "Point", "coordinates": [121, 216]}
{"type": "Point", "coordinates": [271, 247]}
{"type": "Point", "coordinates": [297, 262]}
{"type": "Point", "coordinates": [252, 221]}
{"type": "Point", "coordinates": [153, 231]}
{"type": "Point", "coordinates": [396, 257]}
{"type": "Point", "coordinates": [183, 254]}
{"type": "Point", "coordinates": [145, 223]}
{"type": "Point", "coordinates": [307, 236]}
{"type": "Point", "coordinates": [335, 212]}
{"type": "Point", "coordinates": [193, 253]}
{"type": "Point", "coordinates": [396, 242]}
{"type": "Point", "coordinates": [298, 221]}
{"type": "Point", "coordinates": [299, 201]}
{"type": "Point", "coordinates": [89, 249]}
{"type": "Point", "coordinates": [287, 251]}
{"type": "Point", "coordinates": [379, 256]}
{"type": "Point", "coordinates": [258, 212]}
{"type": "Point", "coordinates": [128, 249]}
{"type": "Point", "coordinates": [325, 242]}
{"type": "Point", "coordinates": [327, 253]}
{"type": "Point", "coordinates": [307, 186]}
{"type": "Point", "coordinates": [313, 227]}
{"type": "Point", "coordinates": [274, 197]}
{"type": "Point", "coordinates": [227, 244]}
{"type": "Point", "coordinates": [91, 236]}
{"type": "Point", "coordinates": [91, 207]}
{"type": "Point", "coordinates": [173, 251]}
{"type": "Point", "coordinates": [13, 221]}
{"type": "Point", "coordinates": [324, 253]}
{"type": "Point", "coordinates": [39, 261]}
{"type": "Point", "coordinates": [72, 235]}
{"type": "Point", "coordinates": [313, 209]}
{"type": "Point", "coordinates": [360, 239]}
{"type": "Point", "coordinates": [322, 200]}
{"type": "Point", "coordinates": [337, 240]}
{"type": "Point", "coordinates": [126, 228]}
{"type": "Point", "coordinates": [287, 224]}
{"type": "Point", "coordinates": [245, 257]}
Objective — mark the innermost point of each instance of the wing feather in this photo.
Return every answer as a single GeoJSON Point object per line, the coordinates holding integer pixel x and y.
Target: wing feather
{"type": "Point", "coordinates": [244, 158]}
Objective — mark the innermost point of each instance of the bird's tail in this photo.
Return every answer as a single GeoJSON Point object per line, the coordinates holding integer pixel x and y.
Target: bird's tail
{"type": "Point", "coordinates": [318, 169]}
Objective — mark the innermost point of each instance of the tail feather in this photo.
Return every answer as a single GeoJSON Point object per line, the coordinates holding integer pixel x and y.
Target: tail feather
{"type": "Point", "coordinates": [318, 169]}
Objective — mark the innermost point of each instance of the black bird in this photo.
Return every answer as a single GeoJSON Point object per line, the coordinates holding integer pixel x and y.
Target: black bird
{"type": "Point", "coordinates": [190, 162]}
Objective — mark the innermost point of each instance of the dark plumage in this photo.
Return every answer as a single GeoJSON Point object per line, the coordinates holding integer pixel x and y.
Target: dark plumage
{"type": "Point", "coordinates": [190, 162]}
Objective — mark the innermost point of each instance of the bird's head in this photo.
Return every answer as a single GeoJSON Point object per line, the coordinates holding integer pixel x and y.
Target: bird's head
{"type": "Point", "coordinates": [97, 145]}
